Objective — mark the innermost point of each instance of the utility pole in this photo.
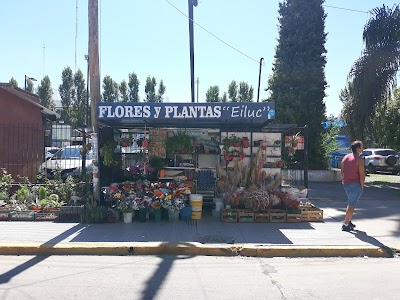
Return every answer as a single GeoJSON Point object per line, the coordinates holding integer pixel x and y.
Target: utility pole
{"type": "Point", "coordinates": [197, 89]}
{"type": "Point", "coordinates": [94, 81]}
{"type": "Point", "coordinates": [191, 3]}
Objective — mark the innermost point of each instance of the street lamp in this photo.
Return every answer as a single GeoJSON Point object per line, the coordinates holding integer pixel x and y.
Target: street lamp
{"type": "Point", "coordinates": [259, 79]}
{"type": "Point", "coordinates": [29, 78]}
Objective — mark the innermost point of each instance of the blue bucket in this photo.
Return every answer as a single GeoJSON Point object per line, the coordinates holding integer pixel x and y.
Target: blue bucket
{"type": "Point", "coordinates": [186, 213]}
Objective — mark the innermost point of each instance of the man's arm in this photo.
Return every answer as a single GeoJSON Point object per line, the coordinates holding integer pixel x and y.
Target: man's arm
{"type": "Point", "coordinates": [361, 171]}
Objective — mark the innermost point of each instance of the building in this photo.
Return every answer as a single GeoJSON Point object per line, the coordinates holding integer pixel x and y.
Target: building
{"type": "Point", "coordinates": [22, 131]}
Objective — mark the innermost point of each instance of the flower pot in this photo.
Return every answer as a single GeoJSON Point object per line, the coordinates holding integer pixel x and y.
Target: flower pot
{"type": "Point", "coordinates": [228, 157]}
{"type": "Point", "coordinates": [245, 142]}
{"type": "Point", "coordinates": [88, 147]}
{"type": "Point", "coordinates": [124, 144]}
{"type": "Point", "coordinates": [145, 143]}
{"type": "Point", "coordinates": [157, 215]}
{"type": "Point", "coordinates": [128, 216]}
{"type": "Point", "coordinates": [173, 215]}
{"type": "Point", "coordinates": [142, 214]}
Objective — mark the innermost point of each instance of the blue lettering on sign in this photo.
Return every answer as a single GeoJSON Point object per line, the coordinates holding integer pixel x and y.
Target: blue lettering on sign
{"type": "Point", "coordinates": [221, 111]}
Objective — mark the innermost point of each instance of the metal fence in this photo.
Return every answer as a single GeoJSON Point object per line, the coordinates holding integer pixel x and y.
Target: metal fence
{"type": "Point", "coordinates": [25, 148]}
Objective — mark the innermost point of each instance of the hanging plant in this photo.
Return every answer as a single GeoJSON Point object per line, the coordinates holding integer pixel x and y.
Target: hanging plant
{"type": "Point", "coordinates": [107, 153]}
{"type": "Point", "coordinates": [245, 142]}
{"type": "Point", "coordinates": [126, 141]}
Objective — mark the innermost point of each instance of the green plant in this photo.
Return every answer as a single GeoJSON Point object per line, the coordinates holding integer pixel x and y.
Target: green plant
{"type": "Point", "coordinates": [179, 142]}
{"type": "Point", "coordinates": [107, 153]}
{"type": "Point", "coordinates": [126, 141]}
{"type": "Point", "coordinates": [6, 181]}
{"type": "Point", "coordinates": [42, 193]}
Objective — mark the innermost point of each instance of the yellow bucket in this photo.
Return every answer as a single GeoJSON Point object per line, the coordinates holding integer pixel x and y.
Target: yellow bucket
{"type": "Point", "coordinates": [196, 201]}
{"type": "Point", "coordinates": [196, 215]}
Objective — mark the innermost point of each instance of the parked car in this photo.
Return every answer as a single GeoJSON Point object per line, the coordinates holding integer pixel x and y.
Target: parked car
{"type": "Point", "coordinates": [68, 160]}
{"type": "Point", "coordinates": [380, 159]}
{"type": "Point", "coordinates": [50, 151]}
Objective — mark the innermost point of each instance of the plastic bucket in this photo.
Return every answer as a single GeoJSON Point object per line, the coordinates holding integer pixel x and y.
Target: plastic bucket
{"type": "Point", "coordinates": [186, 212]}
{"type": "Point", "coordinates": [196, 202]}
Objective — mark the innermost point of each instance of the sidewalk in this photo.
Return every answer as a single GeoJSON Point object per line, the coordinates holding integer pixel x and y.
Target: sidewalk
{"type": "Point", "coordinates": [210, 236]}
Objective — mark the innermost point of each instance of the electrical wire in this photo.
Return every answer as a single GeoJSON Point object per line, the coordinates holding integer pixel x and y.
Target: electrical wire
{"type": "Point", "coordinates": [348, 9]}
{"type": "Point", "coordinates": [222, 41]}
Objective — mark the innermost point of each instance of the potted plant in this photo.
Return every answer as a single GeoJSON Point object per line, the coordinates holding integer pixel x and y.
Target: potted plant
{"type": "Point", "coordinates": [294, 139]}
{"type": "Point", "coordinates": [107, 153]}
{"type": "Point", "coordinates": [126, 141]}
{"type": "Point", "coordinates": [235, 141]}
{"type": "Point", "coordinates": [245, 142]}
{"type": "Point", "coordinates": [179, 143]}
{"type": "Point", "coordinates": [156, 205]}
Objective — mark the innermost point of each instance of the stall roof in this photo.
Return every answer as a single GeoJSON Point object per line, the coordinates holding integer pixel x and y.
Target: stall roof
{"type": "Point", "coordinates": [225, 116]}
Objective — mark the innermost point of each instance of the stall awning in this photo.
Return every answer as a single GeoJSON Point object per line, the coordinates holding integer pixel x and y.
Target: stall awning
{"type": "Point", "coordinates": [232, 115]}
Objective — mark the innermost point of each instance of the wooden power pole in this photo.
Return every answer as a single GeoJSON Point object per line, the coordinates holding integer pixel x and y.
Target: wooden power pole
{"type": "Point", "coordinates": [94, 80]}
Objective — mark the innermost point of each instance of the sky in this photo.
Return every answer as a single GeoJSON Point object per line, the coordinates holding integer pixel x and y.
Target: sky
{"type": "Point", "coordinates": [151, 38]}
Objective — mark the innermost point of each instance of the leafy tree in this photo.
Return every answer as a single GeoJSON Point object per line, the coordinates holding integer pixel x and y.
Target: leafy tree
{"type": "Point", "coordinates": [161, 91]}
{"type": "Point", "coordinates": [150, 89]}
{"type": "Point", "coordinates": [232, 91]}
{"type": "Point", "coordinates": [374, 73]}
{"type": "Point", "coordinates": [123, 90]}
{"type": "Point", "coordinates": [67, 94]}
{"type": "Point", "coordinates": [387, 125]}
{"type": "Point", "coordinates": [245, 92]}
{"type": "Point", "coordinates": [13, 81]}
{"type": "Point", "coordinates": [212, 94]}
{"type": "Point", "coordinates": [79, 105]}
{"type": "Point", "coordinates": [349, 111]}
{"type": "Point", "coordinates": [224, 98]}
{"type": "Point", "coordinates": [45, 93]}
{"type": "Point", "coordinates": [298, 82]}
{"type": "Point", "coordinates": [133, 85]}
{"type": "Point", "coordinates": [110, 90]}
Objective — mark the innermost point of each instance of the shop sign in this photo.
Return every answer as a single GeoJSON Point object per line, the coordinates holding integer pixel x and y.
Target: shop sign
{"type": "Point", "coordinates": [164, 111]}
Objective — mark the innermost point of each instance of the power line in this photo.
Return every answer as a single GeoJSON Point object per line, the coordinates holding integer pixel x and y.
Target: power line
{"type": "Point", "coordinates": [348, 9]}
{"type": "Point", "coordinates": [237, 50]}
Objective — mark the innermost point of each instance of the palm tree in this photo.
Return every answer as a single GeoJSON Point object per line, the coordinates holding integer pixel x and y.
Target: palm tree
{"type": "Point", "coordinates": [374, 74]}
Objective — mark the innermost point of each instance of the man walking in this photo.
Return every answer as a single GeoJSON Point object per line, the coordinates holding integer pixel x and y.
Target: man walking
{"type": "Point", "coordinates": [353, 175]}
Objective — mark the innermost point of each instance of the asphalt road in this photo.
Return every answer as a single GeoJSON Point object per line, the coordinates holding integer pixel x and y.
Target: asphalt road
{"type": "Point", "coordinates": [182, 277]}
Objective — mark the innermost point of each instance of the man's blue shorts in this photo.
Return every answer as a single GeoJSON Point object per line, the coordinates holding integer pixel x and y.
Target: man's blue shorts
{"type": "Point", "coordinates": [353, 192]}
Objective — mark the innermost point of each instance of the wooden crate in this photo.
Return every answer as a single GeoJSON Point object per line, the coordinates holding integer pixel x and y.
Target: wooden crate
{"type": "Point", "coordinates": [261, 217]}
{"type": "Point", "coordinates": [47, 216]}
{"type": "Point", "coordinates": [277, 216]}
{"type": "Point", "coordinates": [293, 217]}
{"type": "Point", "coordinates": [22, 215]}
{"type": "Point", "coordinates": [245, 216]}
{"type": "Point", "coordinates": [229, 215]}
{"type": "Point", "coordinates": [312, 214]}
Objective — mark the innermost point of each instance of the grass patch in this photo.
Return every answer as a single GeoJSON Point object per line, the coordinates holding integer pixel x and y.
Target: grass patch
{"type": "Point", "coordinates": [382, 179]}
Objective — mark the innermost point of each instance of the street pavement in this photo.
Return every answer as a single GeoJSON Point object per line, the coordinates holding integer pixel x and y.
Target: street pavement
{"type": "Point", "coordinates": [377, 232]}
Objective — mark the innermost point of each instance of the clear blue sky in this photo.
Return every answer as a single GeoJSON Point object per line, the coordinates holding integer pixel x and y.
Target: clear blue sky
{"type": "Point", "coordinates": [150, 37]}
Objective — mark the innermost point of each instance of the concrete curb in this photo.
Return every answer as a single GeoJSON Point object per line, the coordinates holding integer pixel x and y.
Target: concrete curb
{"type": "Point", "coordinates": [192, 249]}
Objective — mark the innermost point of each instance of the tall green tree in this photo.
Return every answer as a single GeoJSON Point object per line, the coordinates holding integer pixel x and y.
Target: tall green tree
{"type": "Point", "coordinates": [133, 84]}
{"type": "Point", "coordinates": [80, 109]}
{"type": "Point", "coordinates": [224, 98]}
{"type": "Point", "coordinates": [45, 93]}
{"type": "Point", "coordinates": [245, 93]}
{"type": "Point", "coordinates": [349, 111]}
{"type": "Point", "coordinates": [13, 81]}
{"type": "Point", "coordinates": [374, 73]}
{"type": "Point", "coordinates": [150, 89]}
{"type": "Point", "coordinates": [161, 91]}
{"type": "Point", "coordinates": [110, 90]}
{"type": "Point", "coordinates": [212, 94]}
{"type": "Point", "coordinates": [123, 90]}
{"type": "Point", "coordinates": [67, 94]}
{"type": "Point", "coordinates": [232, 91]}
{"type": "Point", "coordinates": [298, 81]}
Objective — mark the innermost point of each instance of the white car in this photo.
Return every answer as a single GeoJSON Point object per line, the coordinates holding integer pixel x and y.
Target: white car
{"type": "Point", "coordinates": [68, 160]}
{"type": "Point", "coordinates": [380, 159]}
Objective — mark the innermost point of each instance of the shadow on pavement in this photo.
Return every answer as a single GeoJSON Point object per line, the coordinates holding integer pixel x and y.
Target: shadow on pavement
{"type": "Point", "coordinates": [5, 277]}
{"type": "Point", "coordinates": [363, 236]}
